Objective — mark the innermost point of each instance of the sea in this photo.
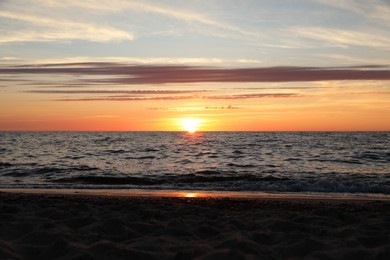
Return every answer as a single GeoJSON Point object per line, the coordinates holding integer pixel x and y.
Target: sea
{"type": "Point", "coordinates": [270, 162]}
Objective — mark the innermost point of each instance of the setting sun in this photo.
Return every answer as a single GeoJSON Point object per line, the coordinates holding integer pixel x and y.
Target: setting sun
{"type": "Point", "coordinates": [190, 195]}
{"type": "Point", "coordinates": [191, 125]}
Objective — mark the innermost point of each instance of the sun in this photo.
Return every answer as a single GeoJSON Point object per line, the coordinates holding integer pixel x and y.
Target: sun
{"type": "Point", "coordinates": [190, 195]}
{"type": "Point", "coordinates": [191, 125]}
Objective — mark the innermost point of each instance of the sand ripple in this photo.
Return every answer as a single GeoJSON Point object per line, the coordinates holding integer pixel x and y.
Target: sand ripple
{"type": "Point", "coordinates": [91, 227]}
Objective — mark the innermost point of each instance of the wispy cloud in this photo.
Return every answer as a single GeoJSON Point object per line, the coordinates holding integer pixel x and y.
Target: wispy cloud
{"type": "Point", "coordinates": [48, 29]}
{"type": "Point", "coordinates": [133, 92]}
{"type": "Point", "coordinates": [375, 9]}
{"type": "Point", "coordinates": [78, 60]}
{"type": "Point", "coordinates": [343, 38]}
{"type": "Point", "coordinates": [42, 24]}
{"type": "Point", "coordinates": [349, 5]}
{"type": "Point", "coordinates": [110, 6]}
{"type": "Point", "coordinates": [221, 107]}
{"type": "Point", "coordinates": [355, 59]}
{"type": "Point", "coordinates": [255, 95]}
{"type": "Point", "coordinates": [190, 97]}
{"type": "Point", "coordinates": [139, 74]}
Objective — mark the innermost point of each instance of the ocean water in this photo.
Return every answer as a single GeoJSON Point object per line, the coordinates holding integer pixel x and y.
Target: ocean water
{"type": "Point", "coordinates": [304, 162]}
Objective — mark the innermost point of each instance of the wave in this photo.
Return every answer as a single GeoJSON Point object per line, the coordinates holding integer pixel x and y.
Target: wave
{"type": "Point", "coordinates": [201, 177]}
{"type": "Point", "coordinates": [107, 180]}
{"type": "Point", "coordinates": [378, 156]}
{"type": "Point", "coordinates": [5, 165]}
{"type": "Point", "coordinates": [148, 157]}
{"type": "Point", "coordinates": [351, 161]}
{"type": "Point", "coordinates": [218, 180]}
{"type": "Point", "coordinates": [214, 180]}
{"type": "Point", "coordinates": [268, 162]}
{"type": "Point", "coordinates": [120, 151]}
{"type": "Point", "coordinates": [34, 170]}
{"type": "Point", "coordinates": [241, 165]}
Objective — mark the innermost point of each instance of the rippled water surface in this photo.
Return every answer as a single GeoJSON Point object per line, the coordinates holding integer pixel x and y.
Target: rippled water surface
{"type": "Point", "coordinates": [352, 162]}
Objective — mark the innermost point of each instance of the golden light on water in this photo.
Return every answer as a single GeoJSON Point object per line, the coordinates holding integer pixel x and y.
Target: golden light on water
{"type": "Point", "coordinates": [191, 125]}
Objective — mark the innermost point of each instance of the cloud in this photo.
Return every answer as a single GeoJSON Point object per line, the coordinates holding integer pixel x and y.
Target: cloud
{"type": "Point", "coordinates": [78, 60]}
{"type": "Point", "coordinates": [47, 29]}
{"type": "Point", "coordinates": [352, 59]}
{"type": "Point", "coordinates": [133, 92]}
{"type": "Point", "coordinates": [190, 97]}
{"type": "Point", "coordinates": [369, 29]}
{"type": "Point", "coordinates": [255, 95]}
{"type": "Point", "coordinates": [349, 5]}
{"type": "Point", "coordinates": [114, 6]}
{"type": "Point", "coordinates": [9, 59]}
{"type": "Point", "coordinates": [343, 38]}
{"type": "Point", "coordinates": [221, 107]}
{"type": "Point", "coordinates": [248, 61]}
{"type": "Point", "coordinates": [163, 109]}
{"type": "Point", "coordinates": [117, 73]}
{"type": "Point", "coordinates": [374, 10]}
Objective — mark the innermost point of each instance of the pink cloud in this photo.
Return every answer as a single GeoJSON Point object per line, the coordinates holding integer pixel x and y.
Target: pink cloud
{"type": "Point", "coordinates": [138, 74]}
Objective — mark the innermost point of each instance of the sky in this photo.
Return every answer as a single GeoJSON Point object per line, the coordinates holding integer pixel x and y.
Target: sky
{"type": "Point", "coordinates": [229, 65]}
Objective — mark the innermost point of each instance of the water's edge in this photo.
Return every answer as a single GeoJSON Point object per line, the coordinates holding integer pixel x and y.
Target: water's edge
{"type": "Point", "coordinates": [193, 194]}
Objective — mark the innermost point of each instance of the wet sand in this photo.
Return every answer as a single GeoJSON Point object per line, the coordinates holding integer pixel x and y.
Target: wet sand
{"type": "Point", "coordinates": [98, 226]}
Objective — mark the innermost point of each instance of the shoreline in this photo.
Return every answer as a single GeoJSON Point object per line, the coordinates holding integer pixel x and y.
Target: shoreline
{"type": "Point", "coordinates": [202, 194]}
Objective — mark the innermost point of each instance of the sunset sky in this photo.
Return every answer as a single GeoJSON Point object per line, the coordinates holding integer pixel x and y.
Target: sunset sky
{"type": "Point", "coordinates": [251, 65]}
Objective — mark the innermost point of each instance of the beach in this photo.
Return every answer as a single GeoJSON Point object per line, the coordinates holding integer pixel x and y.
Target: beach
{"type": "Point", "coordinates": [96, 226]}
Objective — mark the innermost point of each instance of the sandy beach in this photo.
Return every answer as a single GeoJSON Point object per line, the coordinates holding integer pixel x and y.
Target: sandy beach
{"type": "Point", "coordinates": [79, 226]}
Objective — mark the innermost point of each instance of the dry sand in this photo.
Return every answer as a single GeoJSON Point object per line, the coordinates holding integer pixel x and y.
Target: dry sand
{"type": "Point", "coordinates": [69, 226]}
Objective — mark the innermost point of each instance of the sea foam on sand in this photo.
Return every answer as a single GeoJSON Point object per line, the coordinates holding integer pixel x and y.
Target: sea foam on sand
{"type": "Point", "coordinates": [95, 226]}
